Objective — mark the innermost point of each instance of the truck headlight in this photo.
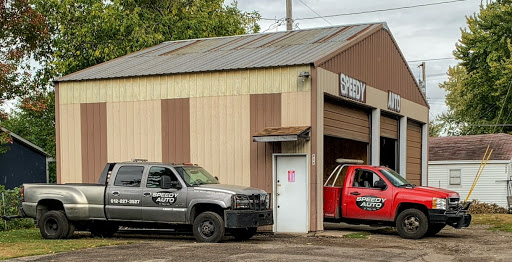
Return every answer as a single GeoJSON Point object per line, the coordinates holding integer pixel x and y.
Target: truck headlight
{"type": "Point", "coordinates": [439, 203]}
{"type": "Point", "coordinates": [241, 202]}
{"type": "Point", "coordinates": [267, 201]}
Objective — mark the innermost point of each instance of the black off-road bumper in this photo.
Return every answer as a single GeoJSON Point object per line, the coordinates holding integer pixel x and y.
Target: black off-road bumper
{"type": "Point", "coordinates": [456, 219]}
{"type": "Point", "coordinates": [248, 218]}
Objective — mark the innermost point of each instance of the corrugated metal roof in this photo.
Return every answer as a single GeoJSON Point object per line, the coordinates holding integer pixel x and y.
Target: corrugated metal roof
{"type": "Point", "coordinates": [286, 48]}
{"type": "Point", "coordinates": [470, 147]}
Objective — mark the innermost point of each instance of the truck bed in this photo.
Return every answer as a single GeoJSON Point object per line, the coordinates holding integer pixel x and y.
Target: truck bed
{"type": "Point", "coordinates": [79, 200]}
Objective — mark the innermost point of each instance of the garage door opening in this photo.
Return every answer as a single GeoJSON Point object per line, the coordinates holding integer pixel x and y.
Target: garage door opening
{"type": "Point", "coordinates": [388, 152]}
{"type": "Point", "coordinates": [335, 148]}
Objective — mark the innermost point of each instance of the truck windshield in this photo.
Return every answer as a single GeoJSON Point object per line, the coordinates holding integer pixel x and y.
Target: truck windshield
{"type": "Point", "coordinates": [194, 175]}
{"type": "Point", "coordinates": [395, 178]}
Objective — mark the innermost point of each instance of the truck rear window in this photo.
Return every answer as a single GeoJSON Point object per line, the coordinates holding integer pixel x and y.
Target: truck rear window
{"type": "Point", "coordinates": [129, 176]}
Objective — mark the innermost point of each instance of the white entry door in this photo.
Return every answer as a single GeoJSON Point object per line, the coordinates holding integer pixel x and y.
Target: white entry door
{"type": "Point", "coordinates": [291, 198]}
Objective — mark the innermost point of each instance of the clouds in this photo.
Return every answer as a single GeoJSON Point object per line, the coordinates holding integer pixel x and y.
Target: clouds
{"type": "Point", "coordinates": [422, 33]}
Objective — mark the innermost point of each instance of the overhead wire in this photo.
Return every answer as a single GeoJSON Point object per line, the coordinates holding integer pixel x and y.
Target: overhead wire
{"type": "Point", "coordinates": [315, 12]}
{"type": "Point", "coordinates": [379, 10]}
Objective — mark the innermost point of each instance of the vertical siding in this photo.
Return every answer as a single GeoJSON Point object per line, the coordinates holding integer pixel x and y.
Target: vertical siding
{"type": "Point", "coordinates": [93, 120]}
{"type": "Point", "coordinates": [413, 153]}
{"type": "Point", "coordinates": [176, 130]}
{"type": "Point", "coordinates": [134, 131]}
{"type": "Point", "coordinates": [296, 109]}
{"type": "Point", "coordinates": [57, 133]}
{"type": "Point", "coordinates": [490, 188]}
{"type": "Point", "coordinates": [204, 84]}
{"type": "Point", "coordinates": [265, 112]}
{"type": "Point", "coordinates": [70, 144]}
{"type": "Point", "coordinates": [220, 138]}
{"type": "Point", "coordinates": [377, 61]}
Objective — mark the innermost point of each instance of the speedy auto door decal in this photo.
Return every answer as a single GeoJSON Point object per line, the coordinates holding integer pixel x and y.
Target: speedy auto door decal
{"type": "Point", "coordinates": [164, 198]}
{"type": "Point", "coordinates": [370, 203]}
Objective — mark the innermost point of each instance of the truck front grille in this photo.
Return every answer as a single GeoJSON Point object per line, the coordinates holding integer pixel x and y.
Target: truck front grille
{"type": "Point", "coordinates": [453, 203]}
{"type": "Point", "coordinates": [257, 202]}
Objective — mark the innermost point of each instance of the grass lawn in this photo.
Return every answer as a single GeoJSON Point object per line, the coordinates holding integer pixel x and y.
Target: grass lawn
{"type": "Point", "coordinates": [28, 242]}
{"type": "Point", "coordinates": [501, 222]}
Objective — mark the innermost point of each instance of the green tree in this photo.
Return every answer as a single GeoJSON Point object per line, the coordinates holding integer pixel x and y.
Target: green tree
{"type": "Point", "coordinates": [479, 87]}
{"type": "Point", "coordinates": [89, 32]}
{"type": "Point", "coordinates": [22, 32]}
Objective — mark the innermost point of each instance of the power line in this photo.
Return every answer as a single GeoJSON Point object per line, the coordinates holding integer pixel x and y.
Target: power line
{"type": "Point", "coordinates": [377, 10]}
{"type": "Point", "coordinates": [315, 12]}
{"type": "Point", "coordinates": [431, 59]}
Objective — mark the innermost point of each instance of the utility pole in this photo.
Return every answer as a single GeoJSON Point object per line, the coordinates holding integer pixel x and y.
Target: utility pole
{"type": "Point", "coordinates": [289, 19]}
{"type": "Point", "coordinates": [423, 82]}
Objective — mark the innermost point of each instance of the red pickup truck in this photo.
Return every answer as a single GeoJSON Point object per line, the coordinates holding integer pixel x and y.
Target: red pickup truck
{"type": "Point", "coordinates": [380, 196]}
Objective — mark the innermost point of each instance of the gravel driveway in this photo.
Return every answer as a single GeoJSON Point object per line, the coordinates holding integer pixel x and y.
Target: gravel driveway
{"type": "Point", "coordinates": [475, 243]}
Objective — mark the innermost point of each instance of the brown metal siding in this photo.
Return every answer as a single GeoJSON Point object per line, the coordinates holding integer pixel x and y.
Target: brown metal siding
{"type": "Point", "coordinates": [176, 130]}
{"type": "Point", "coordinates": [265, 112]}
{"type": "Point", "coordinates": [389, 127]}
{"type": "Point", "coordinates": [57, 131]}
{"type": "Point", "coordinates": [346, 122]}
{"type": "Point", "coordinates": [377, 61]}
{"type": "Point", "coordinates": [93, 124]}
{"type": "Point", "coordinates": [414, 153]}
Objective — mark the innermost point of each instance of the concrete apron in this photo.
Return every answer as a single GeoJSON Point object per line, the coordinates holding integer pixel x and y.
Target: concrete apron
{"type": "Point", "coordinates": [342, 229]}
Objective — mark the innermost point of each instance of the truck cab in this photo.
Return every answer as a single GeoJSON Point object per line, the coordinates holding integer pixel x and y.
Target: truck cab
{"type": "Point", "coordinates": [364, 194]}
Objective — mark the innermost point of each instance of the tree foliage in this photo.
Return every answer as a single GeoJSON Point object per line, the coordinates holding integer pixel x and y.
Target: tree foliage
{"type": "Point", "coordinates": [480, 86]}
{"type": "Point", "coordinates": [22, 32]}
{"type": "Point", "coordinates": [64, 36]}
{"type": "Point", "coordinates": [89, 32]}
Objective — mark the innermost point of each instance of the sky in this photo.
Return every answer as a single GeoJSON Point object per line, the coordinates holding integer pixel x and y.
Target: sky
{"type": "Point", "coordinates": [422, 33]}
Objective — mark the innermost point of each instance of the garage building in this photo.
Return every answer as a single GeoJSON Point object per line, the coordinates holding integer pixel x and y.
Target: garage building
{"type": "Point", "coordinates": [270, 110]}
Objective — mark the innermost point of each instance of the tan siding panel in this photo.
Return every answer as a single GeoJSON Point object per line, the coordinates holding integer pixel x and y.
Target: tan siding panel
{"type": "Point", "coordinates": [389, 127]}
{"type": "Point", "coordinates": [219, 137]}
{"type": "Point", "coordinates": [71, 146]}
{"type": "Point", "coordinates": [343, 121]}
{"type": "Point", "coordinates": [225, 83]}
{"type": "Point", "coordinates": [265, 112]}
{"type": "Point", "coordinates": [296, 109]}
{"type": "Point", "coordinates": [377, 61]}
{"type": "Point", "coordinates": [134, 131]}
{"type": "Point", "coordinates": [413, 152]}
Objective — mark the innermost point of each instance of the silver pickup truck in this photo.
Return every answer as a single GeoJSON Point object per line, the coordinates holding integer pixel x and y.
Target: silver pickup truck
{"type": "Point", "coordinates": [148, 195]}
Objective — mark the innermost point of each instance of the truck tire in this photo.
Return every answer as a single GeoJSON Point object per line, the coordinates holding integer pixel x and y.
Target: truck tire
{"type": "Point", "coordinates": [242, 234]}
{"type": "Point", "coordinates": [71, 230]}
{"type": "Point", "coordinates": [412, 224]}
{"type": "Point", "coordinates": [54, 225]}
{"type": "Point", "coordinates": [102, 230]}
{"type": "Point", "coordinates": [208, 227]}
{"type": "Point", "coordinates": [433, 229]}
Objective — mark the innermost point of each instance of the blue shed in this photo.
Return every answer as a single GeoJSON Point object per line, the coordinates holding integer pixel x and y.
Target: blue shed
{"type": "Point", "coordinates": [24, 162]}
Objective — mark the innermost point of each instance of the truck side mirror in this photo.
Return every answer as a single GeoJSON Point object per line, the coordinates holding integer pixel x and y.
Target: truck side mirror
{"type": "Point", "coordinates": [380, 184]}
{"type": "Point", "coordinates": [166, 182]}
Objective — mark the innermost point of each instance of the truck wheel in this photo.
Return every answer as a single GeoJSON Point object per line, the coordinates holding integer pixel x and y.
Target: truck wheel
{"type": "Point", "coordinates": [433, 229]}
{"type": "Point", "coordinates": [54, 225]}
{"type": "Point", "coordinates": [243, 233]}
{"type": "Point", "coordinates": [412, 224]}
{"type": "Point", "coordinates": [71, 230]}
{"type": "Point", "coordinates": [103, 229]}
{"type": "Point", "coordinates": [208, 227]}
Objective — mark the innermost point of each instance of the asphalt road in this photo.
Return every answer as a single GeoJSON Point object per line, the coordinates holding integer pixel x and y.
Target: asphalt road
{"type": "Point", "coordinates": [475, 243]}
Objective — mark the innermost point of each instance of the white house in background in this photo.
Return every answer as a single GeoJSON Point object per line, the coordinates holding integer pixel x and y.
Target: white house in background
{"type": "Point", "coordinates": [454, 162]}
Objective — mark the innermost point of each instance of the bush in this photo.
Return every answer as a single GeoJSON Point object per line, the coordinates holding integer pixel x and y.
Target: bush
{"type": "Point", "coordinates": [9, 205]}
{"type": "Point", "coordinates": [486, 208]}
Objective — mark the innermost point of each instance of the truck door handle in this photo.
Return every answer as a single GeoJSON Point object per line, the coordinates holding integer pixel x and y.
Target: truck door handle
{"type": "Point", "coordinates": [146, 194]}
{"type": "Point", "coordinates": [355, 193]}
{"type": "Point", "coordinates": [115, 193]}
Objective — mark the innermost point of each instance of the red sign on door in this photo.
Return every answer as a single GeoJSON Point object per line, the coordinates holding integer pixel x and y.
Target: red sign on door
{"type": "Point", "coordinates": [291, 175]}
